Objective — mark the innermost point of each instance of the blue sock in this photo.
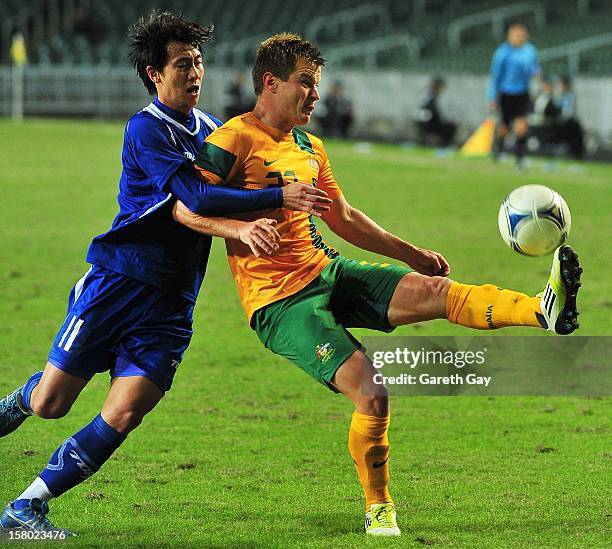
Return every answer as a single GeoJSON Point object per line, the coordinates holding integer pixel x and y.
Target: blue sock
{"type": "Point", "coordinates": [81, 456]}
{"type": "Point", "coordinates": [26, 392]}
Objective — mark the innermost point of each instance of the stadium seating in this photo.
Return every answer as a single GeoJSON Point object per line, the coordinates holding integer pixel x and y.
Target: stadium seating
{"type": "Point", "coordinates": [97, 35]}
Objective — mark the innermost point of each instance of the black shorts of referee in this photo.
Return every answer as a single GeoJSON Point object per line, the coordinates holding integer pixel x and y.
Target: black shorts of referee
{"type": "Point", "coordinates": [513, 106]}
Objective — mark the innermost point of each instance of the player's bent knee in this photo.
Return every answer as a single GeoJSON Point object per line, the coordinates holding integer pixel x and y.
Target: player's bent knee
{"type": "Point", "coordinates": [123, 420]}
{"type": "Point", "coordinates": [429, 299]}
{"type": "Point", "coordinates": [438, 286]}
{"type": "Point", "coordinates": [50, 407]}
{"type": "Point", "coordinates": [418, 298]}
{"type": "Point", "coordinates": [374, 405]}
{"type": "Point", "coordinates": [423, 288]}
{"type": "Point", "coordinates": [373, 400]}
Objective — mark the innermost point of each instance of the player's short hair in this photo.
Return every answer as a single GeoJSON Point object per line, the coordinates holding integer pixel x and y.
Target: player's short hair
{"type": "Point", "coordinates": [437, 81]}
{"type": "Point", "coordinates": [150, 37]}
{"type": "Point", "coordinates": [279, 55]}
{"type": "Point", "coordinates": [516, 23]}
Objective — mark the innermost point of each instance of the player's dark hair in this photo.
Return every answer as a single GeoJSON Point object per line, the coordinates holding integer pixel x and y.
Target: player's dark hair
{"type": "Point", "coordinates": [516, 23]}
{"type": "Point", "coordinates": [150, 36]}
{"type": "Point", "coordinates": [279, 55]}
{"type": "Point", "coordinates": [437, 82]}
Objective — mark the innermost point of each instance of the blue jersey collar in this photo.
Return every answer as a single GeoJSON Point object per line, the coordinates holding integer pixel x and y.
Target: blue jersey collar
{"type": "Point", "coordinates": [188, 121]}
{"type": "Point", "coordinates": [161, 111]}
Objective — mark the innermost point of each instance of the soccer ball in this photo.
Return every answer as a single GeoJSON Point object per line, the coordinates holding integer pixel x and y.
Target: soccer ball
{"type": "Point", "coordinates": [534, 220]}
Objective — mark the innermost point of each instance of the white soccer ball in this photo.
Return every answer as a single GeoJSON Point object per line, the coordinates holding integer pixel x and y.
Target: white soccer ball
{"type": "Point", "coordinates": [534, 220]}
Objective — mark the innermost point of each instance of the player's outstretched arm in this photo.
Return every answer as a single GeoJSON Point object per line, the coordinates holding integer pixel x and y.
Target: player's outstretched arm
{"type": "Point", "coordinates": [357, 228]}
{"type": "Point", "coordinates": [260, 235]}
{"type": "Point", "coordinates": [209, 199]}
{"type": "Point", "coordinates": [209, 196]}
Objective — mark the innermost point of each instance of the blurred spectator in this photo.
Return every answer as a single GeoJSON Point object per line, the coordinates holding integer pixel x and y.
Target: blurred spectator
{"type": "Point", "coordinates": [239, 99]}
{"type": "Point", "coordinates": [569, 130]}
{"type": "Point", "coordinates": [554, 121]}
{"type": "Point", "coordinates": [545, 109]}
{"type": "Point", "coordinates": [337, 117]}
{"type": "Point", "coordinates": [428, 118]}
{"type": "Point", "coordinates": [544, 118]}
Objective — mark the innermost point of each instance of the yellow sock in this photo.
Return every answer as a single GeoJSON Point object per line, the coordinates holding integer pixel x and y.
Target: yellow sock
{"type": "Point", "coordinates": [488, 307]}
{"type": "Point", "coordinates": [369, 448]}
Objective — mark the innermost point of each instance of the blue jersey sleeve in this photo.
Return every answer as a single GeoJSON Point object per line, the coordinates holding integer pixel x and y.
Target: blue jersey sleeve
{"type": "Point", "coordinates": [208, 199]}
{"type": "Point", "coordinates": [149, 150]}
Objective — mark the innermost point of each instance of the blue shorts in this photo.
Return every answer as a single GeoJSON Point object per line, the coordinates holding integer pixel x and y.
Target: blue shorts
{"type": "Point", "coordinates": [128, 327]}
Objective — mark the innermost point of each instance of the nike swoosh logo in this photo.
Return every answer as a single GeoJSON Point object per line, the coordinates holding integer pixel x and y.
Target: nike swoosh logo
{"type": "Point", "coordinates": [266, 163]}
{"type": "Point", "coordinates": [378, 464]}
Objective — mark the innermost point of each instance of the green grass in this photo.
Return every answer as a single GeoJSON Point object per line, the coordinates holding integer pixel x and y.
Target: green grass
{"type": "Point", "coordinates": [246, 451]}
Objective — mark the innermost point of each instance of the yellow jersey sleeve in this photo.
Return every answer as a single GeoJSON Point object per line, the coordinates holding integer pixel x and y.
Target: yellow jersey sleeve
{"type": "Point", "coordinates": [220, 156]}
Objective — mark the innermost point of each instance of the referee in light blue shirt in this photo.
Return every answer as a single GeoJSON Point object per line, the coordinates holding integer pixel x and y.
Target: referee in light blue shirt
{"type": "Point", "coordinates": [514, 64]}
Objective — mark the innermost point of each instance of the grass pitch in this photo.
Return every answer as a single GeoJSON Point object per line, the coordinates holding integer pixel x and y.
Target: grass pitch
{"type": "Point", "coordinates": [245, 450]}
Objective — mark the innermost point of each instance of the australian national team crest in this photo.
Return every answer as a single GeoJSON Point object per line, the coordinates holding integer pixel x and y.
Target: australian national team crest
{"type": "Point", "coordinates": [314, 164]}
{"type": "Point", "coordinates": [324, 350]}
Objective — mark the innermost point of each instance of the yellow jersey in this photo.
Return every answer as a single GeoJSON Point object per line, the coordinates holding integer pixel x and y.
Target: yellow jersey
{"type": "Point", "coordinates": [247, 153]}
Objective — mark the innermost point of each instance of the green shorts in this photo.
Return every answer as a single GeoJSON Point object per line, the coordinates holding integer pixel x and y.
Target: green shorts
{"type": "Point", "coordinates": [310, 327]}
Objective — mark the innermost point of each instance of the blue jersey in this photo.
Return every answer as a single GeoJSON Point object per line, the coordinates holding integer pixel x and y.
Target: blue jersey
{"type": "Point", "coordinates": [512, 69]}
{"type": "Point", "coordinates": [144, 242]}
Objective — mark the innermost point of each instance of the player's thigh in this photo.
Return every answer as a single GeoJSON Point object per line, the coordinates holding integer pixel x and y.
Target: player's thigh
{"type": "Point", "coordinates": [362, 292]}
{"type": "Point", "coordinates": [129, 400]}
{"type": "Point", "coordinates": [418, 298]}
{"type": "Point", "coordinates": [303, 329]}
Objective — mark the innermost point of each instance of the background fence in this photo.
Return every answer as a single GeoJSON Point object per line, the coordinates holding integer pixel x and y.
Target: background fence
{"type": "Point", "coordinates": [384, 101]}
